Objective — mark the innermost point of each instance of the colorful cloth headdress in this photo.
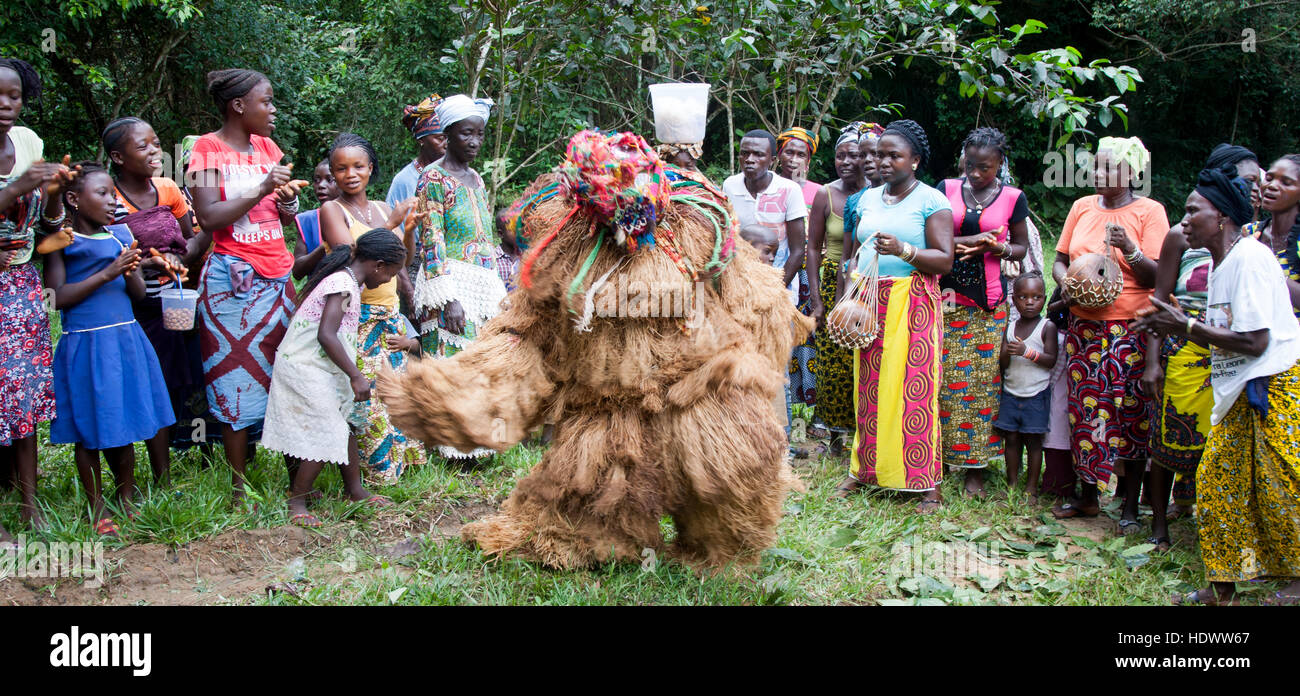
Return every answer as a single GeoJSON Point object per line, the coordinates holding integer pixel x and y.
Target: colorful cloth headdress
{"type": "Point", "coordinates": [619, 185]}
{"type": "Point", "coordinates": [422, 119]}
{"type": "Point", "coordinates": [668, 151]}
{"type": "Point", "coordinates": [797, 133]}
{"type": "Point", "coordinates": [858, 131]}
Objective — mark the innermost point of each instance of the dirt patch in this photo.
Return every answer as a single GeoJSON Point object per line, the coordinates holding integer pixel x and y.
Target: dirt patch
{"type": "Point", "coordinates": [233, 565]}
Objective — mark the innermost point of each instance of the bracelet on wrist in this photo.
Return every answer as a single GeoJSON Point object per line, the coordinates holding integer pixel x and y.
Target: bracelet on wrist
{"type": "Point", "coordinates": [1134, 257]}
{"type": "Point", "coordinates": [54, 222]}
{"type": "Point", "coordinates": [1191, 323]}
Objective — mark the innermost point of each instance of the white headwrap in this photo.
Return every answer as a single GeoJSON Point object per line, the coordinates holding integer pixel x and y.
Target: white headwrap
{"type": "Point", "coordinates": [459, 107]}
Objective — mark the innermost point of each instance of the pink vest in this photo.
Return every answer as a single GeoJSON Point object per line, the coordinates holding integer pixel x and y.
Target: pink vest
{"type": "Point", "coordinates": [995, 218]}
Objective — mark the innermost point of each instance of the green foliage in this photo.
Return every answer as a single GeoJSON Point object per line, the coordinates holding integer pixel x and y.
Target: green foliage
{"type": "Point", "coordinates": [1179, 73]}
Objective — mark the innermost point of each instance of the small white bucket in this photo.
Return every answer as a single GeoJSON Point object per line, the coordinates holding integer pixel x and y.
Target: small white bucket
{"type": "Point", "coordinates": [681, 110]}
{"type": "Point", "coordinates": [178, 305]}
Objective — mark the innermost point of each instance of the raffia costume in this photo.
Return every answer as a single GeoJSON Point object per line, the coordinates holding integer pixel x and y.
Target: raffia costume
{"type": "Point", "coordinates": [653, 342]}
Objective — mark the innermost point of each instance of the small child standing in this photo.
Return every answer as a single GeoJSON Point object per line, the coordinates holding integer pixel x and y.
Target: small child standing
{"type": "Point", "coordinates": [763, 240]}
{"type": "Point", "coordinates": [1027, 358]}
{"type": "Point", "coordinates": [308, 251]}
{"type": "Point", "coordinates": [108, 386]}
{"type": "Point", "coordinates": [765, 243]}
{"type": "Point", "coordinates": [316, 379]}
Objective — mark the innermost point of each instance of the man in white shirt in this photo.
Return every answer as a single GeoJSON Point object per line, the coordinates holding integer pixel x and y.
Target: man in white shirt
{"type": "Point", "coordinates": [761, 196]}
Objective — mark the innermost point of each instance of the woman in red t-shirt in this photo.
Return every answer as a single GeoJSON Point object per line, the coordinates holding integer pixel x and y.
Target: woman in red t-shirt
{"type": "Point", "coordinates": [242, 196]}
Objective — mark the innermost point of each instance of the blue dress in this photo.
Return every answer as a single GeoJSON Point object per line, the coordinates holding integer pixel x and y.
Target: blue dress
{"type": "Point", "coordinates": [108, 387]}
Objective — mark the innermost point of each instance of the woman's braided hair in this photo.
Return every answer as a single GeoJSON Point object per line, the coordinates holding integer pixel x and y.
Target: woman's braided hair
{"type": "Point", "coordinates": [353, 140]}
{"type": "Point", "coordinates": [914, 134]}
{"type": "Point", "coordinates": [27, 75]}
{"type": "Point", "coordinates": [225, 86]}
{"type": "Point", "coordinates": [987, 137]}
{"type": "Point", "coordinates": [378, 244]}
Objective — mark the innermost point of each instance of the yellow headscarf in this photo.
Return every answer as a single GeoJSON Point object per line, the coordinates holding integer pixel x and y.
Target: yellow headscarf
{"type": "Point", "coordinates": [797, 133]}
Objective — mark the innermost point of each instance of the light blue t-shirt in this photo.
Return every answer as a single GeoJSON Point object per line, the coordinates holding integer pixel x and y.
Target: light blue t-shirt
{"type": "Point", "coordinates": [403, 186]}
{"type": "Point", "coordinates": [904, 220]}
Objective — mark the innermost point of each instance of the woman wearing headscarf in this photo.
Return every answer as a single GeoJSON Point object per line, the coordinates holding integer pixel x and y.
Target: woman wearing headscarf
{"type": "Point", "coordinates": [1247, 165]}
{"type": "Point", "coordinates": [457, 288]}
{"type": "Point", "coordinates": [905, 226]}
{"type": "Point", "coordinates": [1248, 494]}
{"type": "Point", "coordinates": [1177, 370]}
{"type": "Point", "coordinates": [988, 219]}
{"type": "Point", "coordinates": [795, 149]}
{"type": "Point", "coordinates": [1110, 410]}
{"type": "Point", "coordinates": [681, 155]}
{"type": "Point", "coordinates": [422, 120]}
{"type": "Point", "coordinates": [833, 368]}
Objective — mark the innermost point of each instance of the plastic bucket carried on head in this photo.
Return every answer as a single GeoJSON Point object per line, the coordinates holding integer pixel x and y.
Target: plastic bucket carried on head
{"type": "Point", "coordinates": [178, 305]}
{"type": "Point", "coordinates": [681, 110]}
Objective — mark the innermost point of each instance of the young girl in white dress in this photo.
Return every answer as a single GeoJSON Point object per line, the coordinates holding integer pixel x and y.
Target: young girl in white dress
{"type": "Point", "coordinates": [316, 379]}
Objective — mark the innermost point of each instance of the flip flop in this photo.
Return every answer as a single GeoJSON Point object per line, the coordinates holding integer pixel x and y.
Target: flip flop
{"type": "Point", "coordinates": [934, 506]}
{"type": "Point", "coordinates": [846, 488]}
{"type": "Point", "coordinates": [1129, 527]}
{"type": "Point", "coordinates": [378, 501]}
{"type": "Point", "coordinates": [307, 520]}
{"type": "Point", "coordinates": [1282, 600]}
{"type": "Point", "coordinates": [1065, 511]}
{"type": "Point", "coordinates": [1196, 597]}
{"type": "Point", "coordinates": [1162, 543]}
{"type": "Point", "coordinates": [107, 527]}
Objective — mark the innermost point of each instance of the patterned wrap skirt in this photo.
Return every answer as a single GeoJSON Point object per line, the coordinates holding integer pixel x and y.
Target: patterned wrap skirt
{"type": "Point", "coordinates": [1248, 488]}
{"type": "Point", "coordinates": [972, 383]}
{"type": "Point", "coordinates": [896, 400]}
{"type": "Point", "coordinates": [243, 317]}
{"type": "Point", "coordinates": [803, 381]}
{"type": "Point", "coordinates": [26, 355]}
{"type": "Point", "coordinates": [833, 367]}
{"type": "Point", "coordinates": [1110, 412]}
{"type": "Point", "coordinates": [385, 451]}
{"type": "Point", "coordinates": [1180, 423]}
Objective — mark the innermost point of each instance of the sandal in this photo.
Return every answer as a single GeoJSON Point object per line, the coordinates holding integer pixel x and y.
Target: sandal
{"type": "Point", "coordinates": [847, 487]}
{"type": "Point", "coordinates": [378, 501]}
{"type": "Point", "coordinates": [1162, 544]}
{"type": "Point", "coordinates": [307, 520]}
{"type": "Point", "coordinates": [1282, 600]}
{"type": "Point", "coordinates": [1198, 597]}
{"type": "Point", "coordinates": [1065, 511]}
{"type": "Point", "coordinates": [933, 506]}
{"type": "Point", "coordinates": [107, 527]}
{"type": "Point", "coordinates": [1129, 527]}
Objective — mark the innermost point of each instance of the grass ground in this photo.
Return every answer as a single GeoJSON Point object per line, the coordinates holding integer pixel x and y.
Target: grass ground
{"type": "Point", "coordinates": [189, 546]}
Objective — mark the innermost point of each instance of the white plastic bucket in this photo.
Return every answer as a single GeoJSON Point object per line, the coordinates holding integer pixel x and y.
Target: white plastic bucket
{"type": "Point", "coordinates": [681, 110]}
{"type": "Point", "coordinates": [178, 305]}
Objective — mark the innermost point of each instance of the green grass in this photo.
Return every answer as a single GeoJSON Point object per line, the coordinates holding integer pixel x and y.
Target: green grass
{"type": "Point", "coordinates": [854, 551]}
{"type": "Point", "coordinates": [828, 552]}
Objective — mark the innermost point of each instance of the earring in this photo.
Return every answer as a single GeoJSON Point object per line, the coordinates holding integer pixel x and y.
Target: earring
{"type": "Point", "coordinates": [913, 166]}
{"type": "Point", "coordinates": [1220, 225]}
